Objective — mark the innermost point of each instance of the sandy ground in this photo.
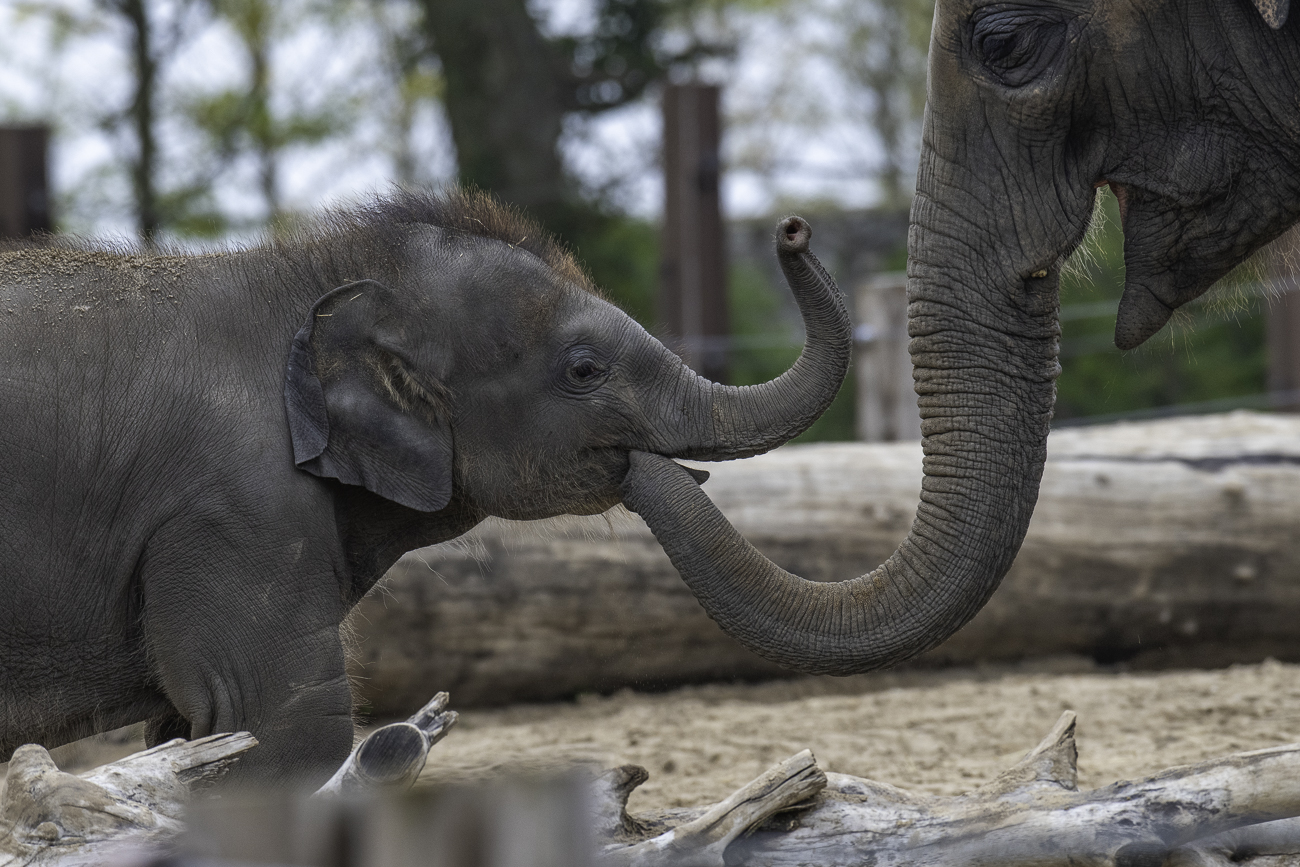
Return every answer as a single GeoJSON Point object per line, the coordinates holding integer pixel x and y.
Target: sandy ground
{"type": "Point", "coordinates": [934, 732]}
{"type": "Point", "coordinates": [938, 732]}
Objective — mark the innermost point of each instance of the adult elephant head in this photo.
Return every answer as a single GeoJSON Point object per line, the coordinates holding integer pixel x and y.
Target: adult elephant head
{"type": "Point", "coordinates": [1187, 109]}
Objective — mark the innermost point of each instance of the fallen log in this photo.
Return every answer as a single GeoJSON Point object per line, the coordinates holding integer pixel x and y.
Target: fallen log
{"type": "Point", "coordinates": [1232, 810]}
{"type": "Point", "coordinates": [48, 817]}
{"type": "Point", "coordinates": [130, 811]}
{"type": "Point", "coordinates": [1239, 809]}
{"type": "Point", "coordinates": [1162, 543]}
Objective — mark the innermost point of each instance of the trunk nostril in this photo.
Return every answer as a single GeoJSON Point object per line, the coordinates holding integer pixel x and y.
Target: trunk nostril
{"type": "Point", "coordinates": [793, 235]}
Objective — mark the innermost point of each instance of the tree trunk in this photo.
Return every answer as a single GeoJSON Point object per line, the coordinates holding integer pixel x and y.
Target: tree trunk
{"type": "Point", "coordinates": [505, 98]}
{"type": "Point", "coordinates": [145, 67]}
{"type": "Point", "coordinates": [1169, 543]}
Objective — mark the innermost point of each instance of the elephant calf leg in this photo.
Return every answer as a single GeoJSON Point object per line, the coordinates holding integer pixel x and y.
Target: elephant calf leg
{"type": "Point", "coordinates": [246, 638]}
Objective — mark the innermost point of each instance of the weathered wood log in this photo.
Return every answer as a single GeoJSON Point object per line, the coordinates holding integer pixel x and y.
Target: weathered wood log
{"type": "Point", "coordinates": [1268, 844]}
{"type": "Point", "coordinates": [392, 756]}
{"type": "Point", "coordinates": [1030, 816]}
{"type": "Point", "coordinates": [48, 817]}
{"type": "Point", "coordinates": [1239, 809]}
{"type": "Point", "coordinates": [1168, 542]}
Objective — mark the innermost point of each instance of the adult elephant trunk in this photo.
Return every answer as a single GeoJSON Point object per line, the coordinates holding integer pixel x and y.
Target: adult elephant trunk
{"type": "Point", "coordinates": [715, 422]}
{"type": "Point", "coordinates": [984, 343]}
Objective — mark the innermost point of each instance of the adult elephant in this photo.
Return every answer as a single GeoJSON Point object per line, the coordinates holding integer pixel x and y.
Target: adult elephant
{"type": "Point", "coordinates": [1188, 109]}
{"type": "Point", "coordinates": [208, 460]}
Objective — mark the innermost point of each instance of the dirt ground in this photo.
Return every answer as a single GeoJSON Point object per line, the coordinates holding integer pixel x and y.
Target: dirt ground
{"type": "Point", "coordinates": [938, 732]}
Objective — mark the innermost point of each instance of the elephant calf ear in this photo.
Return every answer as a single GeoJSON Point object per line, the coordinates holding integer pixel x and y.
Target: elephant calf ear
{"type": "Point", "coordinates": [358, 422]}
{"type": "Point", "coordinates": [1274, 11]}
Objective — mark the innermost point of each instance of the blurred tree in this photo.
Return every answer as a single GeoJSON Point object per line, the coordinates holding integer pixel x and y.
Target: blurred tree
{"type": "Point", "coordinates": [242, 120]}
{"type": "Point", "coordinates": [191, 153]}
{"type": "Point", "coordinates": [153, 34]}
{"type": "Point", "coordinates": [412, 68]}
{"type": "Point", "coordinates": [505, 98]}
{"type": "Point", "coordinates": [829, 110]}
{"type": "Point", "coordinates": [882, 52]}
{"type": "Point", "coordinates": [509, 86]}
{"type": "Point", "coordinates": [508, 89]}
{"type": "Point", "coordinates": [145, 59]}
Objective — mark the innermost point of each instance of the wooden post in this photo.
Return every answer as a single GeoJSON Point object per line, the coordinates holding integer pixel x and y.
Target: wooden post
{"type": "Point", "coordinates": [693, 283]}
{"type": "Point", "coordinates": [1282, 326]}
{"type": "Point", "coordinates": [24, 187]}
{"type": "Point", "coordinates": [887, 409]}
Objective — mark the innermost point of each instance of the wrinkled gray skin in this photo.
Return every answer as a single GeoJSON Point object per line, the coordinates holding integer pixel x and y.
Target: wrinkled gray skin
{"type": "Point", "coordinates": [185, 521]}
{"type": "Point", "coordinates": [1188, 109]}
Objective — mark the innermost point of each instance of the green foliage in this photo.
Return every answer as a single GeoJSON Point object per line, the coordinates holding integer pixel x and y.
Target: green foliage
{"type": "Point", "coordinates": [622, 255]}
{"type": "Point", "coordinates": [67, 21]}
{"type": "Point", "coordinates": [1211, 351]}
{"type": "Point", "coordinates": [882, 52]}
{"type": "Point", "coordinates": [624, 53]}
{"type": "Point", "coordinates": [242, 120]}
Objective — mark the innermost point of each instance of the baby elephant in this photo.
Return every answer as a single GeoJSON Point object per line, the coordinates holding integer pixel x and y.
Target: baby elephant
{"type": "Point", "coordinates": [209, 459]}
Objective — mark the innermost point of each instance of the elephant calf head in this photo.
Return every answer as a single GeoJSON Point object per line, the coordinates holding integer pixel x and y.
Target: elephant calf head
{"type": "Point", "coordinates": [493, 372]}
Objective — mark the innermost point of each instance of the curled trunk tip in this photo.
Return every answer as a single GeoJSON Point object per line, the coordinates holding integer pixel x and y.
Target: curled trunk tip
{"type": "Point", "coordinates": [740, 421]}
{"type": "Point", "coordinates": [793, 235]}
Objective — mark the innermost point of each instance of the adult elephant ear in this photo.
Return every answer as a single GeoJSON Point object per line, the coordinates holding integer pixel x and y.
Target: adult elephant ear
{"type": "Point", "coordinates": [358, 409]}
{"type": "Point", "coordinates": [1274, 11]}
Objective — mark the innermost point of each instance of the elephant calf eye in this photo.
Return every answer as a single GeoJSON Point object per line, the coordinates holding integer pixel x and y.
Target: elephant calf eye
{"type": "Point", "coordinates": [582, 370]}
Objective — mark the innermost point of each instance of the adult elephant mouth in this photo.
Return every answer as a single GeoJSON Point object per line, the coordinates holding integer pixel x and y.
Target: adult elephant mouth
{"type": "Point", "coordinates": [1170, 255]}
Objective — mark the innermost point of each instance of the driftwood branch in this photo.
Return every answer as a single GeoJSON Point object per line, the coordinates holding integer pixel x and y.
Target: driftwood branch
{"type": "Point", "coordinates": [1032, 815]}
{"type": "Point", "coordinates": [391, 757]}
{"type": "Point", "coordinates": [51, 817]}
{"type": "Point", "coordinates": [48, 817]}
{"type": "Point", "coordinates": [1239, 809]}
{"type": "Point", "coordinates": [702, 841]}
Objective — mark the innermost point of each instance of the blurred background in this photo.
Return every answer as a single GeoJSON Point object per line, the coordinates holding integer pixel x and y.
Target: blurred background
{"type": "Point", "coordinates": [661, 139]}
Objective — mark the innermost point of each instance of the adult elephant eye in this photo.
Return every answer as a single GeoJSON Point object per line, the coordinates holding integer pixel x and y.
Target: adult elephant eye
{"type": "Point", "coordinates": [998, 47]}
{"type": "Point", "coordinates": [1016, 44]}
